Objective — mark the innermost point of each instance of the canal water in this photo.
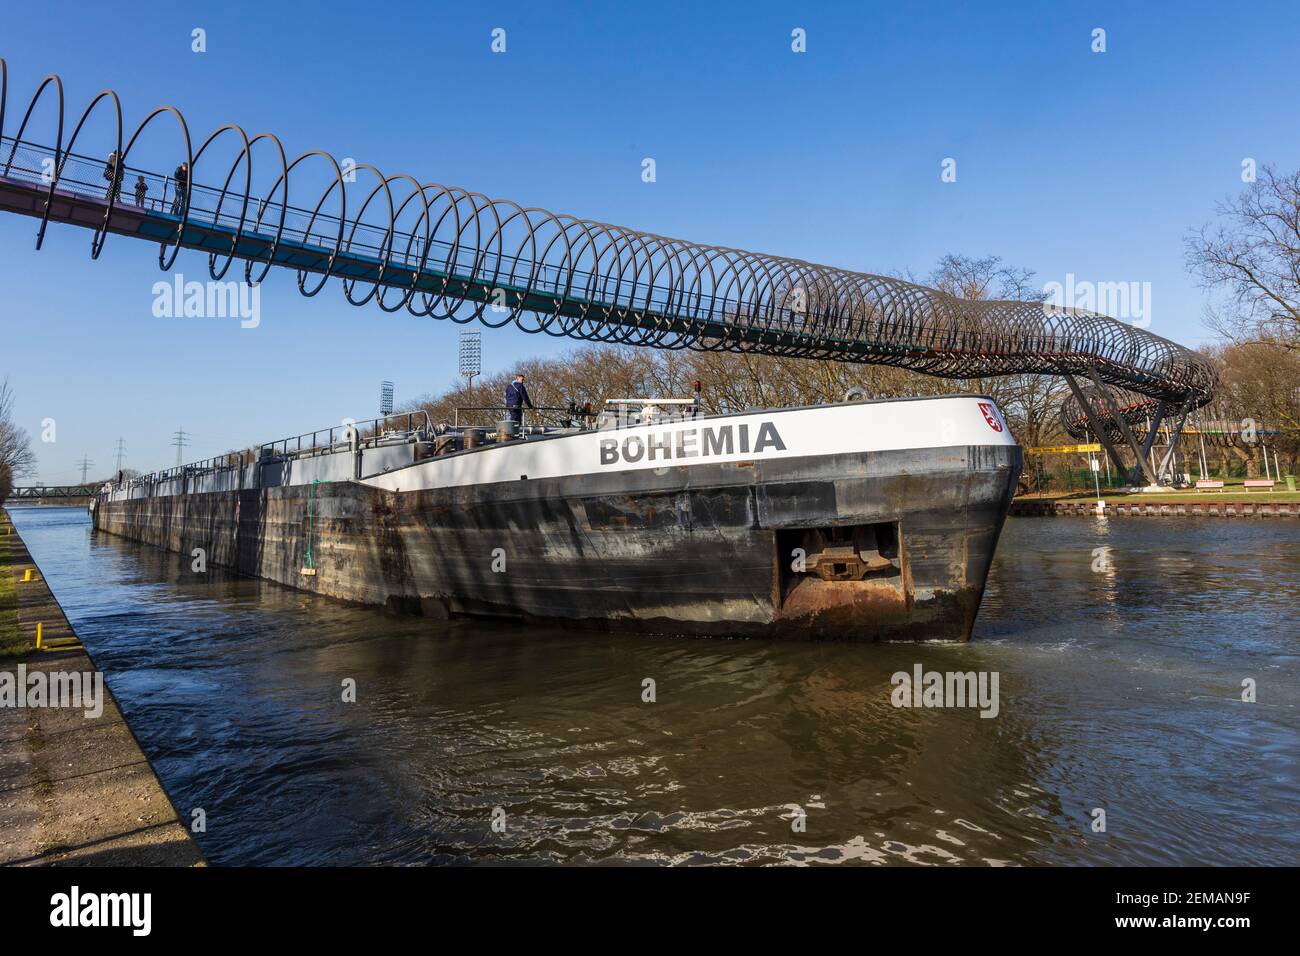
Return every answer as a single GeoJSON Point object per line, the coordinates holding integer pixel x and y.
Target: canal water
{"type": "Point", "coordinates": [1120, 689]}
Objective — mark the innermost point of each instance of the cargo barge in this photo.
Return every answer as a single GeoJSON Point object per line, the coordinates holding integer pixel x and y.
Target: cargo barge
{"type": "Point", "coordinates": [867, 520]}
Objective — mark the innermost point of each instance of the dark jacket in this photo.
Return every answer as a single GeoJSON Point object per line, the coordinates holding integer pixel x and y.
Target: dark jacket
{"type": "Point", "coordinates": [517, 395]}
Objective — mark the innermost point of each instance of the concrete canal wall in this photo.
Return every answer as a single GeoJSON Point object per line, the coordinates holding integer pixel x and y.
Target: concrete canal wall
{"type": "Point", "coordinates": [1157, 509]}
{"type": "Point", "coordinates": [75, 788]}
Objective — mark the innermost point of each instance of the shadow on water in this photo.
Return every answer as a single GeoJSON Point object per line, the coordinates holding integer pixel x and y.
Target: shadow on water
{"type": "Point", "coordinates": [1119, 682]}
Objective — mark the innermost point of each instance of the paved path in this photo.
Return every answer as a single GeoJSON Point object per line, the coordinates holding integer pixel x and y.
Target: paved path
{"type": "Point", "coordinates": [76, 790]}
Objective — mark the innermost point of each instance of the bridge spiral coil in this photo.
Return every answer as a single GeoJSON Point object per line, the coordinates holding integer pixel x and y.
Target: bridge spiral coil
{"type": "Point", "coordinates": [450, 253]}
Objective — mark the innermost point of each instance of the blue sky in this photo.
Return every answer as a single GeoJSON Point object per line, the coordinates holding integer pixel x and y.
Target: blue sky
{"type": "Point", "coordinates": [1068, 161]}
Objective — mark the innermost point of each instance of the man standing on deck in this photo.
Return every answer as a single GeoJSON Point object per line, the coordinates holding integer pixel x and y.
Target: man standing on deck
{"type": "Point", "coordinates": [516, 399]}
{"type": "Point", "coordinates": [182, 176]}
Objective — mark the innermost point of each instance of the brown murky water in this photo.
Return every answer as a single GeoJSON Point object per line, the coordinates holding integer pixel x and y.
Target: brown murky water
{"type": "Point", "coordinates": [1118, 689]}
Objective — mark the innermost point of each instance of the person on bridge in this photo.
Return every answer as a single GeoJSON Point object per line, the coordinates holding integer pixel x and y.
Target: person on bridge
{"type": "Point", "coordinates": [113, 173]}
{"type": "Point", "coordinates": [141, 190]}
{"type": "Point", "coordinates": [516, 399]}
{"type": "Point", "coordinates": [182, 175]}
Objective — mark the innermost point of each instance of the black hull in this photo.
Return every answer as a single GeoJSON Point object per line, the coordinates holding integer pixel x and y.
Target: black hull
{"type": "Point", "coordinates": [704, 549]}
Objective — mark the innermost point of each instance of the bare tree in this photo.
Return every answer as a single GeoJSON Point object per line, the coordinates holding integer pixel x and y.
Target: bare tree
{"type": "Point", "coordinates": [1253, 255]}
{"type": "Point", "coordinates": [965, 277]}
{"type": "Point", "coordinates": [16, 456]}
{"type": "Point", "coordinates": [1030, 402]}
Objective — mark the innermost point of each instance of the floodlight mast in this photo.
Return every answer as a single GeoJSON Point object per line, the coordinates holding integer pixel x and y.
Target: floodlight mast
{"type": "Point", "coordinates": [471, 358]}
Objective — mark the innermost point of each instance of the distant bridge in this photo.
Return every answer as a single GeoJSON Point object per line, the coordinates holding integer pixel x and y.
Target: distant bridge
{"type": "Point", "coordinates": [52, 492]}
{"type": "Point", "coordinates": [445, 252]}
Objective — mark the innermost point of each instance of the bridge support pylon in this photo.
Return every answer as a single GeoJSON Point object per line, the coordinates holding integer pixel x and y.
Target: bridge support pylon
{"type": "Point", "coordinates": [1143, 468]}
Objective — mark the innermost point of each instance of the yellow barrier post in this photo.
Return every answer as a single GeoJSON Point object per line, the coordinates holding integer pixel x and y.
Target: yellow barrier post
{"type": "Point", "coordinates": [38, 635]}
{"type": "Point", "coordinates": [27, 575]}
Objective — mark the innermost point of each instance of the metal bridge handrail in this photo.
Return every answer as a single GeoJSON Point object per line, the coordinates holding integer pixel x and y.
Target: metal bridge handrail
{"type": "Point", "coordinates": [546, 277]}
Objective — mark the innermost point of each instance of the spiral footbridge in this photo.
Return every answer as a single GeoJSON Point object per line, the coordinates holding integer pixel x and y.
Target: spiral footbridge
{"type": "Point", "coordinates": [446, 252]}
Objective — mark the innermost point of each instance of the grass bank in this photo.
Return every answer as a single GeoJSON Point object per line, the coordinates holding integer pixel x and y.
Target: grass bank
{"type": "Point", "coordinates": [11, 645]}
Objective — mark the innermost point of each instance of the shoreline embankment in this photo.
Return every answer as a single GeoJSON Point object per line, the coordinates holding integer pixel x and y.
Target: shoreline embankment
{"type": "Point", "coordinates": [75, 787]}
{"type": "Point", "coordinates": [1153, 507]}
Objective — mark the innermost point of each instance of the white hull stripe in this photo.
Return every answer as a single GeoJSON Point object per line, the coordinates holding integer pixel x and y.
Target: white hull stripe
{"type": "Point", "coordinates": [825, 430]}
